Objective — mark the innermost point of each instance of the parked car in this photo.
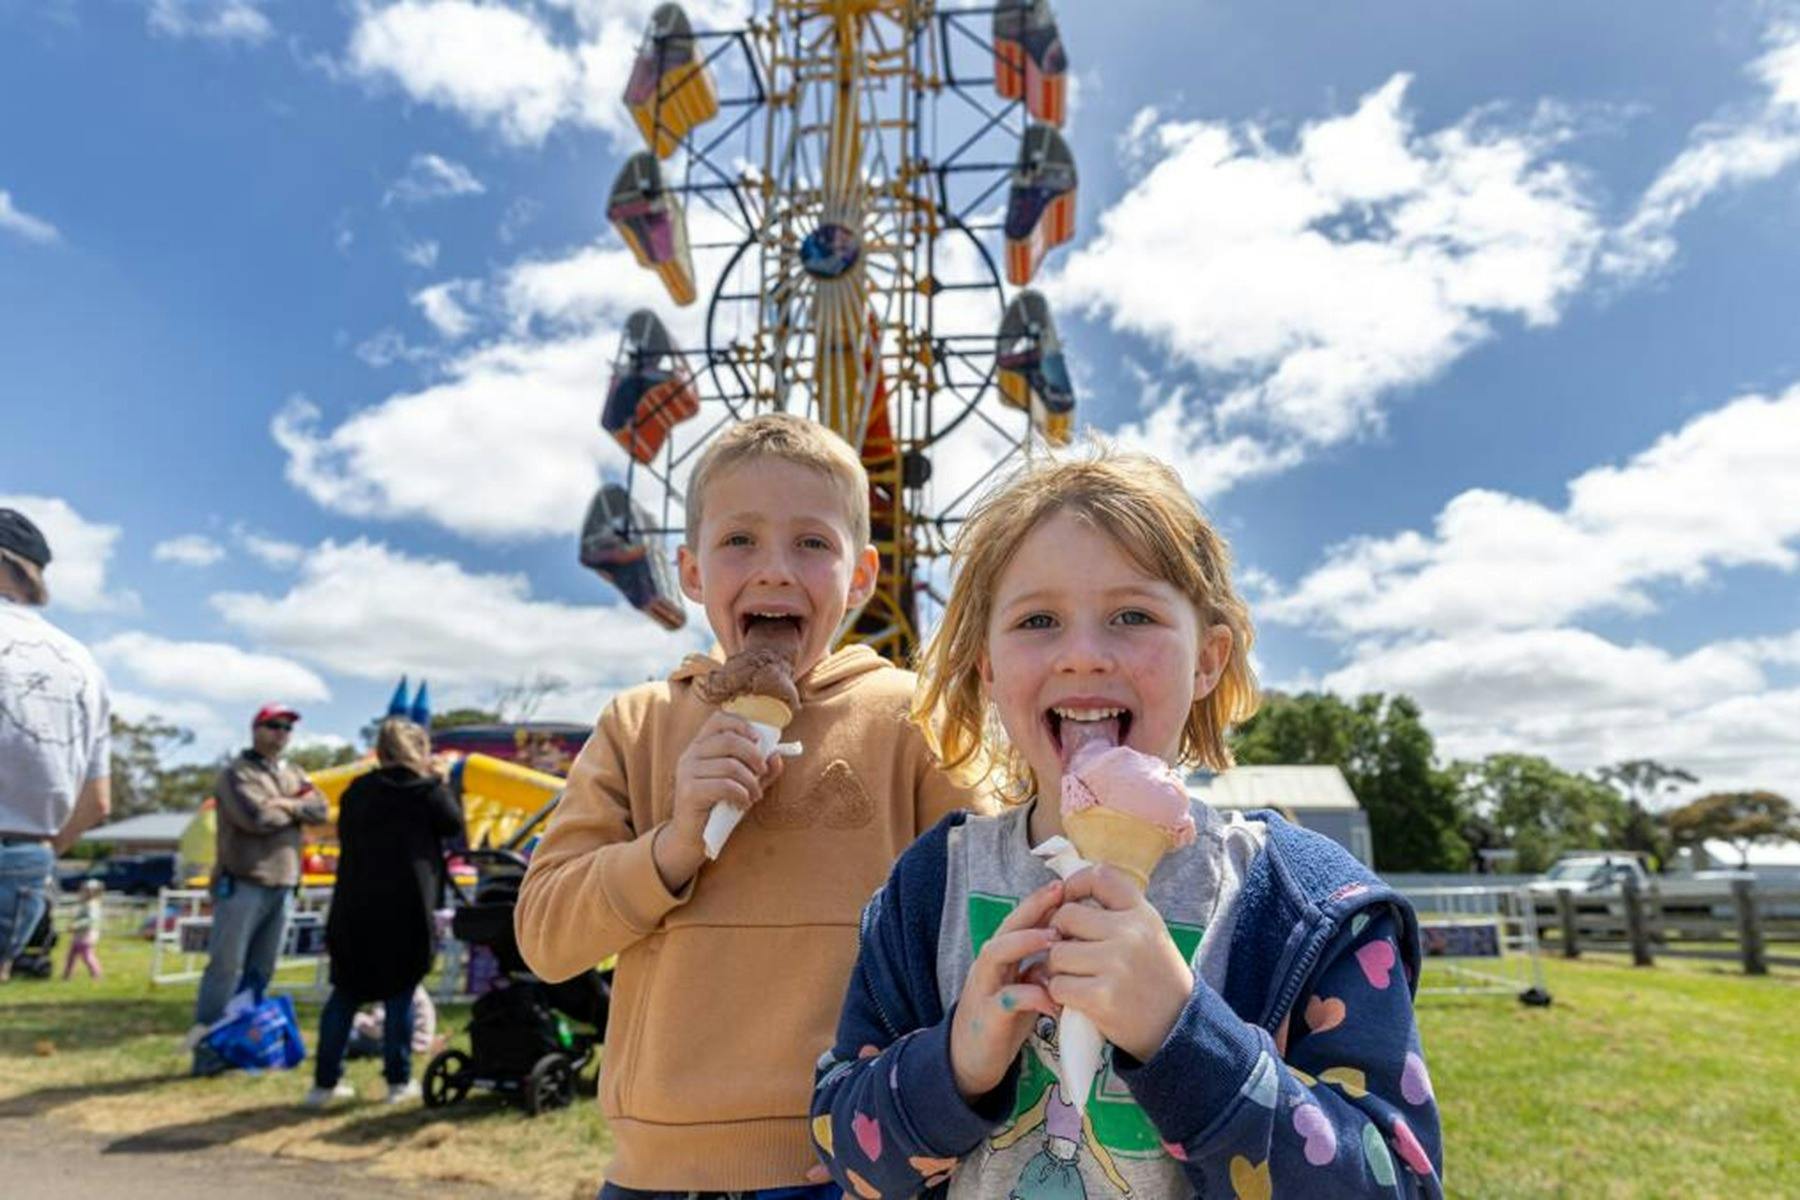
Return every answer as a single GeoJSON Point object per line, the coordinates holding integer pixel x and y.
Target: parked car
{"type": "Point", "coordinates": [133, 874]}
{"type": "Point", "coordinates": [1595, 879]}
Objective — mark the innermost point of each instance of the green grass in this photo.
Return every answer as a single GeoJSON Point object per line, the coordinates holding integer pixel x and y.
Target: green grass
{"type": "Point", "coordinates": [106, 1057]}
{"type": "Point", "coordinates": [1682, 1080]}
{"type": "Point", "coordinates": [1678, 1080]}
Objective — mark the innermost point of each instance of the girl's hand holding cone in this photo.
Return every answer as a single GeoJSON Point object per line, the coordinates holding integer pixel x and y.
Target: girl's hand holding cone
{"type": "Point", "coordinates": [1003, 996]}
{"type": "Point", "coordinates": [1116, 963]}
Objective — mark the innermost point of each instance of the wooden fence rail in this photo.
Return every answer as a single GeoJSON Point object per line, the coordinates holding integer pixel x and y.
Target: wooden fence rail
{"type": "Point", "coordinates": [1739, 923]}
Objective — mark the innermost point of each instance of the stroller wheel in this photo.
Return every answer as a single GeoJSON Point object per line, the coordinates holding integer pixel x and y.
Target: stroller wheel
{"type": "Point", "coordinates": [447, 1079]}
{"type": "Point", "coordinates": [551, 1084]}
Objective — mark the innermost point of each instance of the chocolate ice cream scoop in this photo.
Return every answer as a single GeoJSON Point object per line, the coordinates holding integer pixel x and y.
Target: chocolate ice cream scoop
{"type": "Point", "coordinates": [753, 672]}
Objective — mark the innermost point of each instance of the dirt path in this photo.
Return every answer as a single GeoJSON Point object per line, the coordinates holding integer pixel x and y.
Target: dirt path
{"type": "Point", "coordinates": [46, 1160]}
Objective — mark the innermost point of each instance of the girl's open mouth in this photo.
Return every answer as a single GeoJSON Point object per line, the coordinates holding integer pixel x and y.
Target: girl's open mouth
{"type": "Point", "coordinates": [1074, 726]}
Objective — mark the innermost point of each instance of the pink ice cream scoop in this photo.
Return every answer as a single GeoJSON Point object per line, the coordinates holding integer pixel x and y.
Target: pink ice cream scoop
{"type": "Point", "coordinates": [1129, 783]}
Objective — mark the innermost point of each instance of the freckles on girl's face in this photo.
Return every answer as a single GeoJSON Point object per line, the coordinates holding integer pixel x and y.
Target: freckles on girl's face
{"type": "Point", "coordinates": [1084, 645]}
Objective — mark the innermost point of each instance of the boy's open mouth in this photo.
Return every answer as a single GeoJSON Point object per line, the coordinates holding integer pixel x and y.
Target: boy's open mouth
{"type": "Point", "coordinates": [771, 630]}
{"type": "Point", "coordinates": [1072, 727]}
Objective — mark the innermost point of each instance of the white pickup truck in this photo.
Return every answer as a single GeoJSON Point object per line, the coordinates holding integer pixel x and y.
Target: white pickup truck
{"type": "Point", "coordinates": [1595, 878]}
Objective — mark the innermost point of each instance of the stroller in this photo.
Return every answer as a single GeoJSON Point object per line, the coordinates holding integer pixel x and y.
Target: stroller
{"type": "Point", "coordinates": [521, 1040]}
{"type": "Point", "coordinates": [38, 959]}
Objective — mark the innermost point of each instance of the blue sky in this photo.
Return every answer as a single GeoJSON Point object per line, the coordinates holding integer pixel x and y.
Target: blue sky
{"type": "Point", "coordinates": [1472, 325]}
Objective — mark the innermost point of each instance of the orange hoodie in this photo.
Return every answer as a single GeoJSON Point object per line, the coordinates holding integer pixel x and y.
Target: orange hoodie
{"type": "Point", "coordinates": [726, 994]}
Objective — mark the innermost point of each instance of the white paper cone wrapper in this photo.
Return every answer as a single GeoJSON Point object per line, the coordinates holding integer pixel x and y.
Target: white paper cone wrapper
{"type": "Point", "coordinates": [725, 817]}
{"type": "Point", "coordinates": [1078, 1042]}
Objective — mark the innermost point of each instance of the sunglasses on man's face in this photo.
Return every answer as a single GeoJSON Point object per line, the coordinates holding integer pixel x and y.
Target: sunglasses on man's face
{"type": "Point", "coordinates": [279, 726]}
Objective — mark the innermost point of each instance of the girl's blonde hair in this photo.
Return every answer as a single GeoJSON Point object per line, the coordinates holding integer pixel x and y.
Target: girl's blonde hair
{"type": "Point", "coordinates": [401, 743]}
{"type": "Point", "coordinates": [1141, 504]}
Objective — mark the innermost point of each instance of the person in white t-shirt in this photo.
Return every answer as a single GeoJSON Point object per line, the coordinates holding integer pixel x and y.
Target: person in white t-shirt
{"type": "Point", "coordinates": [55, 749]}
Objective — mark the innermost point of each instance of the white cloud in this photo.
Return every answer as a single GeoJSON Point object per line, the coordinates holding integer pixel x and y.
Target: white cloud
{"type": "Point", "coordinates": [422, 253]}
{"type": "Point", "coordinates": [506, 445]}
{"type": "Point", "coordinates": [212, 20]}
{"type": "Point", "coordinates": [80, 552]}
{"type": "Point", "coordinates": [597, 285]}
{"type": "Point", "coordinates": [1583, 701]}
{"type": "Point", "coordinates": [16, 220]}
{"type": "Point", "coordinates": [494, 65]}
{"type": "Point", "coordinates": [209, 670]}
{"type": "Point", "coordinates": [509, 70]}
{"type": "Point", "coordinates": [271, 552]}
{"type": "Point", "coordinates": [1475, 619]}
{"type": "Point", "coordinates": [433, 177]}
{"type": "Point", "coordinates": [1310, 281]}
{"type": "Point", "coordinates": [388, 346]}
{"type": "Point", "coordinates": [446, 306]}
{"type": "Point", "coordinates": [1720, 492]}
{"type": "Point", "coordinates": [371, 612]}
{"type": "Point", "coordinates": [190, 550]}
{"type": "Point", "coordinates": [214, 733]}
{"type": "Point", "coordinates": [1734, 150]}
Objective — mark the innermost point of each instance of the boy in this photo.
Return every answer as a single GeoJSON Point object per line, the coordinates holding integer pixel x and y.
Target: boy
{"type": "Point", "coordinates": [731, 972]}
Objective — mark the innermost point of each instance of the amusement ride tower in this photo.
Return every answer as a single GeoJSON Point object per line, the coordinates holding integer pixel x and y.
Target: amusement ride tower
{"type": "Point", "coordinates": [877, 183]}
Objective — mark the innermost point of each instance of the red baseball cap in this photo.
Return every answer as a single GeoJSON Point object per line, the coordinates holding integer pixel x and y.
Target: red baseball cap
{"type": "Point", "coordinates": [271, 712]}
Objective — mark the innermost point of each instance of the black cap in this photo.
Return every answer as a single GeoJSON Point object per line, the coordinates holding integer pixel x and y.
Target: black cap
{"type": "Point", "coordinates": [24, 539]}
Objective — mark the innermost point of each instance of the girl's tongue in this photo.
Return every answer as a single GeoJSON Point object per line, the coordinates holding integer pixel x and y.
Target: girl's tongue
{"type": "Point", "coordinates": [1077, 735]}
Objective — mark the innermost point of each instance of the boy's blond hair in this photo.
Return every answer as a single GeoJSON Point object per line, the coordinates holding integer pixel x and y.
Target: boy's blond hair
{"type": "Point", "coordinates": [1140, 503]}
{"type": "Point", "coordinates": [787, 438]}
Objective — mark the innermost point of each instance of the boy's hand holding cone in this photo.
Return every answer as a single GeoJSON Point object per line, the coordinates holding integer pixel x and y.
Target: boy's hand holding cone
{"type": "Point", "coordinates": [757, 684]}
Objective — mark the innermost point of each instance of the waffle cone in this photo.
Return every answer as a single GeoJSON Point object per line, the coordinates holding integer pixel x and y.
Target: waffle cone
{"type": "Point", "coordinates": [1131, 844]}
{"type": "Point", "coordinates": [766, 709]}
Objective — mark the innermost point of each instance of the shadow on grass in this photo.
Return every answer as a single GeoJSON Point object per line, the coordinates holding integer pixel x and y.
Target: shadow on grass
{"type": "Point", "coordinates": [402, 1122]}
{"type": "Point", "coordinates": [44, 1100]}
{"type": "Point", "coordinates": [211, 1132]}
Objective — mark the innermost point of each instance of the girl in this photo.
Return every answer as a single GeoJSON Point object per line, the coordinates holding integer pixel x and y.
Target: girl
{"type": "Point", "coordinates": [84, 934]}
{"type": "Point", "coordinates": [1257, 998]}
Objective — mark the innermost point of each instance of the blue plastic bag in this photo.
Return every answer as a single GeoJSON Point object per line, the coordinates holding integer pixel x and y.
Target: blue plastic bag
{"type": "Point", "coordinates": [263, 1037]}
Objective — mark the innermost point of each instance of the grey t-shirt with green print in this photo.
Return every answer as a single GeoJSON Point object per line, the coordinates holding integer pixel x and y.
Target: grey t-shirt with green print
{"type": "Point", "coordinates": [1046, 1151]}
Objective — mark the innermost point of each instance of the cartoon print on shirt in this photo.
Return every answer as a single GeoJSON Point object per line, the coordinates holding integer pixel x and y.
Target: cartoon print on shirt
{"type": "Point", "coordinates": [1112, 1128]}
{"type": "Point", "coordinates": [1054, 1172]}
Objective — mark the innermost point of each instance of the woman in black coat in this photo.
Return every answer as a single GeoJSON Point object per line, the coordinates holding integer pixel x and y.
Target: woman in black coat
{"type": "Point", "coordinates": [393, 824]}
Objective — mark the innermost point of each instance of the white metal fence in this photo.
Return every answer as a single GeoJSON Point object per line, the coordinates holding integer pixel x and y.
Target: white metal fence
{"type": "Point", "coordinates": [183, 918]}
{"type": "Point", "coordinates": [1479, 940]}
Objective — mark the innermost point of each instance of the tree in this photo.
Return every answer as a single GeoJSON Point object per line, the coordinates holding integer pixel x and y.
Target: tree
{"type": "Point", "coordinates": [1741, 818]}
{"type": "Point", "coordinates": [520, 701]}
{"type": "Point", "coordinates": [320, 756]}
{"type": "Point", "coordinates": [1540, 810]}
{"type": "Point", "coordinates": [1387, 756]}
{"type": "Point", "coordinates": [457, 717]}
{"type": "Point", "coordinates": [1642, 782]}
{"type": "Point", "coordinates": [137, 770]}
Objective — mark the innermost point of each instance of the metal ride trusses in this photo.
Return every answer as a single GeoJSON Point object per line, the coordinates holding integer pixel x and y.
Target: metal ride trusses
{"type": "Point", "coordinates": [854, 197]}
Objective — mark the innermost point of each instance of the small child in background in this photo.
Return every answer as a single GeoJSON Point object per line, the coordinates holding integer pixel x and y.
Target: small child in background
{"type": "Point", "coordinates": [85, 933]}
{"type": "Point", "coordinates": [1255, 996]}
{"type": "Point", "coordinates": [367, 1027]}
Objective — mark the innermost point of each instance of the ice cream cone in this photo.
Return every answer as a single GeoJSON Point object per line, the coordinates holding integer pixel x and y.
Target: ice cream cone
{"type": "Point", "coordinates": [1129, 843]}
{"type": "Point", "coordinates": [764, 710]}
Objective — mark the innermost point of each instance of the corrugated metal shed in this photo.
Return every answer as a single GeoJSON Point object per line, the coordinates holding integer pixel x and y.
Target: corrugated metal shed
{"type": "Point", "coordinates": [1299, 789]}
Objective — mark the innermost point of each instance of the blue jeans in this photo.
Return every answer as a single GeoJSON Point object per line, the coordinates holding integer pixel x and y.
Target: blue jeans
{"type": "Point", "coordinates": [25, 872]}
{"type": "Point", "coordinates": [334, 1038]}
{"type": "Point", "coordinates": [812, 1191]}
{"type": "Point", "coordinates": [249, 922]}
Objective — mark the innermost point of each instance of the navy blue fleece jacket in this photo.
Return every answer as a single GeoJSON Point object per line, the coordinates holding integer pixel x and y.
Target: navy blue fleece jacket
{"type": "Point", "coordinates": [1303, 1077]}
